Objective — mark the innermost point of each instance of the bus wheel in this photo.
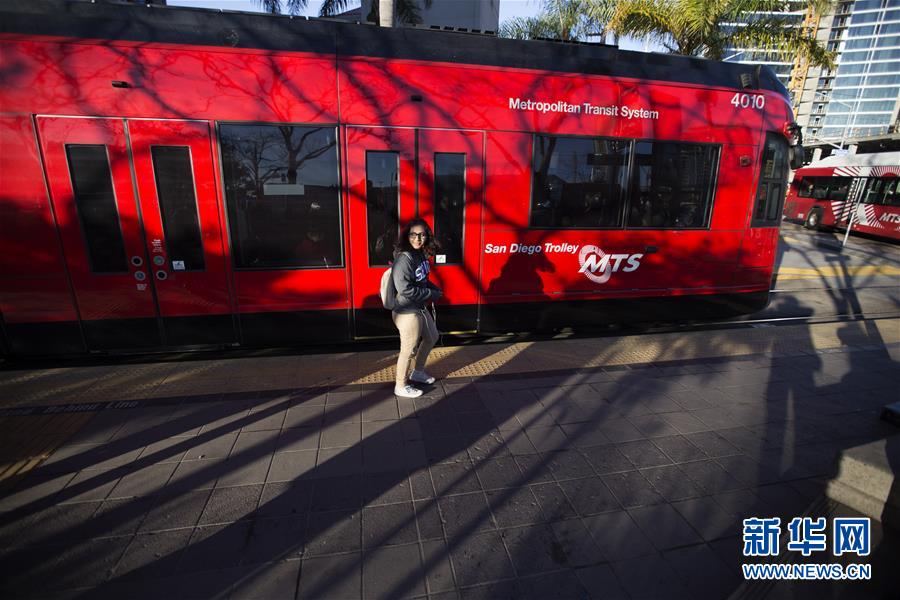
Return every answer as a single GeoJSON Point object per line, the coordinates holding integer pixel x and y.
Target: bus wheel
{"type": "Point", "coordinates": [813, 219]}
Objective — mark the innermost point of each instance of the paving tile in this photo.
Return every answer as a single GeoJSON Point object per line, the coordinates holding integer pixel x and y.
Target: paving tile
{"type": "Point", "coordinates": [617, 536]}
{"type": "Point", "coordinates": [214, 547]}
{"type": "Point", "coordinates": [589, 496]}
{"type": "Point", "coordinates": [54, 525]}
{"type": "Point", "coordinates": [300, 438]}
{"type": "Point", "coordinates": [206, 448]}
{"type": "Point", "coordinates": [708, 518]}
{"type": "Point", "coordinates": [512, 507]}
{"type": "Point", "coordinates": [704, 573]}
{"type": "Point", "coordinates": [500, 590]}
{"type": "Point", "coordinates": [653, 426]}
{"type": "Point", "coordinates": [389, 487]}
{"type": "Point", "coordinates": [534, 468]}
{"type": "Point", "coordinates": [291, 466]}
{"type": "Point", "coordinates": [568, 464]}
{"type": "Point", "coordinates": [331, 577]}
{"type": "Point", "coordinates": [173, 510]}
{"type": "Point", "coordinates": [333, 532]}
{"type": "Point", "coordinates": [685, 422]}
{"type": "Point", "coordinates": [389, 524]}
{"type": "Point", "coordinates": [650, 577]}
{"type": "Point", "coordinates": [664, 526]}
{"type": "Point", "coordinates": [454, 478]}
{"type": "Point", "coordinates": [339, 462]}
{"type": "Point", "coordinates": [600, 582]}
{"type": "Point", "coordinates": [679, 449]}
{"type": "Point", "coordinates": [307, 416]}
{"type": "Point", "coordinates": [152, 555]}
{"type": "Point", "coordinates": [92, 485]}
{"type": "Point", "coordinates": [273, 580]}
{"type": "Point", "coordinates": [643, 453]}
{"type": "Point", "coordinates": [499, 473]}
{"type": "Point", "coordinates": [533, 549]}
{"type": "Point", "coordinates": [671, 483]}
{"type": "Point", "coordinates": [479, 558]}
{"type": "Point", "coordinates": [143, 482]}
{"type": "Point", "coordinates": [382, 578]}
{"type": "Point", "coordinates": [421, 485]}
{"type": "Point", "coordinates": [710, 476]}
{"type": "Point", "coordinates": [230, 504]}
{"type": "Point", "coordinates": [561, 584]}
{"type": "Point", "coordinates": [337, 493]}
{"type": "Point", "coordinates": [553, 502]}
{"type": "Point", "coordinates": [632, 489]}
{"type": "Point", "coordinates": [340, 434]}
{"type": "Point", "coordinates": [620, 430]}
{"type": "Point", "coordinates": [436, 566]}
{"type": "Point", "coordinates": [487, 445]}
{"type": "Point", "coordinates": [464, 513]}
{"type": "Point", "coordinates": [170, 449]}
{"type": "Point", "coordinates": [252, 445]}
{"type": "Point", "coordinates": [607, 459]}
{"type": "Point", "coordinates": [429, 520]}
{"type": "Point", "coordinates": [118, 517]}
{"type": "Point", "coordinates": [547, 439]}
{"type": "Point", "coordinates": [239, 470]}
{"type": "Point", "coordinates": [196, 475]}
{"type": "Point", "coordinates": [576, 543]}
{"type": "Point", "coordinates": [281, 538]}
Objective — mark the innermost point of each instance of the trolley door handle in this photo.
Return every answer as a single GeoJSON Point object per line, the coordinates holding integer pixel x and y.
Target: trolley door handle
{"type": "Point", "coordinates": [651, 250]}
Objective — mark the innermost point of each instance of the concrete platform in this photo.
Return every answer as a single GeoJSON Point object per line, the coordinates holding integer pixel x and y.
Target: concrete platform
{"type": "Point", "coordinates": [584, 468]}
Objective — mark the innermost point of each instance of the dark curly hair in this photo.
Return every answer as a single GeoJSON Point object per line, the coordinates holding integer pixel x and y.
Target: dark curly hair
{"type": "Point", "coordinates": [429, 248]}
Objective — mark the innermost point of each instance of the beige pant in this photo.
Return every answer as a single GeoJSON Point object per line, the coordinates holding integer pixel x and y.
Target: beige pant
{"type": "Point", "coordinates": [418, 335]}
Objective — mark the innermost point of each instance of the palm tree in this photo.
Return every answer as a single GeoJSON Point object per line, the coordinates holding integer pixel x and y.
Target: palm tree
{"type": "Point", "coordinates": [566, 20]}
{"type": "Point", "coordinates": [709, 28]}
{"type": "Point", "coordinates": [405, 11]}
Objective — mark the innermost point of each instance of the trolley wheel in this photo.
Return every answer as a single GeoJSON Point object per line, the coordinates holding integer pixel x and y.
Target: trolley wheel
{"type": "Point", "coordinates": [813, 219]}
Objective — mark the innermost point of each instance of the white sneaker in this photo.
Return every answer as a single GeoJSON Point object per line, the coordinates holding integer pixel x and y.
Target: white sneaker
{"type": "Point", "coordinates": [421, 377]}
{"type": "Point", "coordinates": [407, 391]}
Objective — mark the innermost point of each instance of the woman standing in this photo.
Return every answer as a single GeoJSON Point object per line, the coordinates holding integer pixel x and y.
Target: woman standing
{"type": "Point", "coordinates": [418, 332]}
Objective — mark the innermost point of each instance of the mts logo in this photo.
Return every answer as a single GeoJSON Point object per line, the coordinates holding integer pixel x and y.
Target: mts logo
{"type": "Point", "coordinates": [891, 218]}
{"type": "Point", "coordinates": [599, 266]}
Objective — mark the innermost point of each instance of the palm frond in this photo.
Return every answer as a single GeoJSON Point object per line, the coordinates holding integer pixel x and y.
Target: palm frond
{"type": "Point", "coordinates": [331, 8]}
{"type": "Point", "coordinates": [294, 7]}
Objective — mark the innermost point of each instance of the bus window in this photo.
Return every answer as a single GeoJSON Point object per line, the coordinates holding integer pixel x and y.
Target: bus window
{"type": "Point", "coordinates": [282, 195]}
{"type": "Point", "coordinates": [892, 192]}
{"type": "Point", "coordinates": [672, 185]}
{"type": "Point", "coordinates": [805, 187]}
{"type": "Point", "coordinates": [578, 182]}
{"type": "Point", "coordinates": [772, 180]}
{"type": "Point", "coordinates": [838, 188]}
{"type": "Point", "coordinates": [820, 188]}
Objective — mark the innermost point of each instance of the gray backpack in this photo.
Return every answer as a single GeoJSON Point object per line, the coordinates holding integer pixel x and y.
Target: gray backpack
{"type": "Point", "coordinates": [388, 291]}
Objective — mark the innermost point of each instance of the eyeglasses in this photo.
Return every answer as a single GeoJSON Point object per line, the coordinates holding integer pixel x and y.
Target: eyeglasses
{"type": "Point", "coordinates": [418, 236]}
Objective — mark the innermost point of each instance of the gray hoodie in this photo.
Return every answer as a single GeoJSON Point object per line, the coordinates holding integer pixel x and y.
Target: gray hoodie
{"type": "Point", "coordinates": [410, 274]}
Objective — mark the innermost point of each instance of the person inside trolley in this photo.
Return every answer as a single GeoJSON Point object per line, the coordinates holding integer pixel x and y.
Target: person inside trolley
{"type": "Point", "coordinates": [418, 332]}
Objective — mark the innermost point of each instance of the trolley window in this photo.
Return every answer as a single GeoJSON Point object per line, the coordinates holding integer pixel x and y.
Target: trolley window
{"type": "Point", "coordinates": [282, 195]}
{"type": "Point", "coordinates": [772, 181]}
{"type": "Point", "coordinates": [95, 203]}
{"type": "Point", "coordinates": [579, 182]}
{"type": "Point", "coordinates": [672, 185]}
{"type": "Point", "coordinates": [449, 204]}
{"type": "Point", "coordinates": [382, 205]}
{"type": "Point", "coordinates": [825, 188]}
{"type": "Point", "coordinates": [178, 205]}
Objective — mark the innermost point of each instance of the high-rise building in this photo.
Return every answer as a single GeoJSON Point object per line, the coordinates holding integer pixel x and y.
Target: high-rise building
{"type": "Point", "coordinates": [856, 103]}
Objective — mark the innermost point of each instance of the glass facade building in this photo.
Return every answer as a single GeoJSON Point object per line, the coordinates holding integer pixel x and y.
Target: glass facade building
{"type": "Point", "coordinates": [860, 96]}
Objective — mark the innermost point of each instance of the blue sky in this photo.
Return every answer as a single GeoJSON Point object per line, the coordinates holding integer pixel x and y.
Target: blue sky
{"type": "Point", "coordinates": [508, 10]}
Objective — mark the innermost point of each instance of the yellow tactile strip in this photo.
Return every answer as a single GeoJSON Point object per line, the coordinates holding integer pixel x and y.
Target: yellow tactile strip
{"type": "Point", "coordinates": [27, 441]}
{"type": "Point", "coordinates": [74, 385]}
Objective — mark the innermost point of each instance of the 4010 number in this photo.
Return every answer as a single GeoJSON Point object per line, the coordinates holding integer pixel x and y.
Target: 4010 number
{"type": "Point", "coordinates": [748, 101]}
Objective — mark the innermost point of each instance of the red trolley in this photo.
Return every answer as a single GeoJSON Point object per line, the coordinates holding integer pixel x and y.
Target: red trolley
{"type": "Point", "coordinates": [176, 177]}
